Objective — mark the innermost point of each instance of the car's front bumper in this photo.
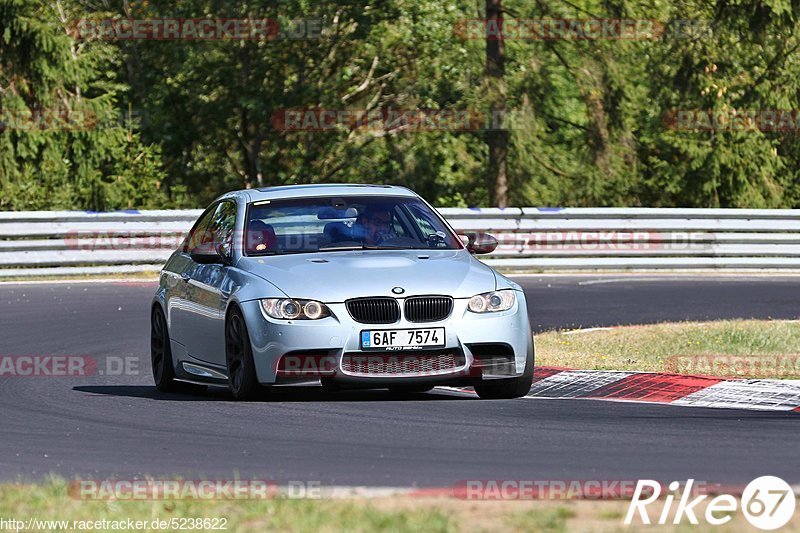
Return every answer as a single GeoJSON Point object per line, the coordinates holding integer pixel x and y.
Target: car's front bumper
{"type": "Point", "coordinates": [472, 339]}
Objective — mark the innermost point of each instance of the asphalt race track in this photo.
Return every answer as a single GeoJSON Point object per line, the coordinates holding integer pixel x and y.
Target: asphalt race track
{"type": "Point", "coordinates": [118, 425]}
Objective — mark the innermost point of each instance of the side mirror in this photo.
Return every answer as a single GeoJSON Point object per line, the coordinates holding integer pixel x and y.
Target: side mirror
{"type": "Point", "coordinates": [480, 243]}
{"type": "Point", "coordinates": [207, 254]}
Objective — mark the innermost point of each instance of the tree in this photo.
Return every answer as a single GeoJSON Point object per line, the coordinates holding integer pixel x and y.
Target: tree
{"type": "Point", "coordinates": [496, 135]}
{"type": "Point", "coordinates": [62, 144]}
{"type": "Point", "coordinates": [573, 120]}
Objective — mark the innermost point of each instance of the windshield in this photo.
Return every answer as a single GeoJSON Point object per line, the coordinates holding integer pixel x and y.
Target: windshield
{"type": "Point", "coordinates": [344, 223]}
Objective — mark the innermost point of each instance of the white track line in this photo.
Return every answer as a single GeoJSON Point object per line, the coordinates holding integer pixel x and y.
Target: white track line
{"type": "Point", "coordinates": [739, 278]}
{"type": "Point", "coordinates": [586, 330]}
{"type": "Point", "coordinates": [154, 281]}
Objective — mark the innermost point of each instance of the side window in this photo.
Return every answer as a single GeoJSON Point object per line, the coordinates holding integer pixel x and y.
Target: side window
{"type": "Point", "coordinates": [216, 226]}
{"type": "Point", "coordinates": [198, 234]}
{"type": "Point", "coordinates": [397, 224]}
{"type": "Point", "coordinates": [433, 231]}
{"type": "Point", "coordinates": [423, 222]}
{"type": "Point", "coordinates": [223, 224]}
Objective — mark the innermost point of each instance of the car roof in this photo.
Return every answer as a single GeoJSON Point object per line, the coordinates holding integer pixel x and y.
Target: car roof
{"type": "Point", "coordinates": [328, 189]}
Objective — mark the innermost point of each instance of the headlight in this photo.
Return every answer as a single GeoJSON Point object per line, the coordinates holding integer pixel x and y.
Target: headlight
{"type": "Point", "coordinates": [290, 309]}
{"type": "Point", "coordinates": [491, 302]}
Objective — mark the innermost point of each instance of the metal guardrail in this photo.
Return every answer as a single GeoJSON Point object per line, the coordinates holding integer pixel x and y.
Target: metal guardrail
{"type": "Point", "coordinates": [533, 239]}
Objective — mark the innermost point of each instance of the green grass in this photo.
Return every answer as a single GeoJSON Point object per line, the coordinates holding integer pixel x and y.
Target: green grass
{"type": "Point", "coordinates": [49, 501]}
{"type": "Point", "coordinates": [730, 348]}
{"type": "Point", "coordinates": [552, 520]}
{"type": "Point", "coordinates": [611, 514]}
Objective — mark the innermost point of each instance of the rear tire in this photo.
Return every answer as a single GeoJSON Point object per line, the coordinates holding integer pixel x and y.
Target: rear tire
{"type": "Point", "coordinates": [161, 358]}
{"type": "Point", "coordinates": [506, 389]}
{"type": "Point", "coordinates": [161, 352]}
{"type": "Point", "coordinates": [242, 378]}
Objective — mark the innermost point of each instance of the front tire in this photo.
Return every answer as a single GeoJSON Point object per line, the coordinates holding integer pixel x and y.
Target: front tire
{"type": "Point", "coordinates": [506, 389]}
{"type": "Point", "coordinates": [242, 378]}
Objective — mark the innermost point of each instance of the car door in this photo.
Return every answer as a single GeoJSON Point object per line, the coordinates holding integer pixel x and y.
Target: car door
{"type": "Point", "coordinates": [208, 290]}
{"type": "Point", "coordinates": [181, 267]}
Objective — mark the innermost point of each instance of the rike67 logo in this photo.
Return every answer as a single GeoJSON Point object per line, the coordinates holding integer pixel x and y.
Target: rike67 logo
{"type": "Point", "coordinates": [767, 502]}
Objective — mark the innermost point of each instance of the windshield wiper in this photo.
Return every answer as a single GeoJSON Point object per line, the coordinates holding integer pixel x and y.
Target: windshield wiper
{"type": "Point", "coordinates": [378, 247]}
{"type": "Point", "coordinates": [280, 252]}
{"type": "Point", "coordinates": [335, 247]}
{"type": "Point", "coordinates": [351, 246]}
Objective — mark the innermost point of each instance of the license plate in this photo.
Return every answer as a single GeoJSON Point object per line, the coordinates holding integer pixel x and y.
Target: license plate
{"type": "Point", "coordinates": [382, 339]}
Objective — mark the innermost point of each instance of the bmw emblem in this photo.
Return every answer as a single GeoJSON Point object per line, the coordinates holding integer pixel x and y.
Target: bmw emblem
{"type": "Point", "coordinates": [398, 290]}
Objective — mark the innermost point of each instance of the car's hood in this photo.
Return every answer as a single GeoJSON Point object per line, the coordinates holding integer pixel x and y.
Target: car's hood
{"type": "Point", "coordinates": [337, 276]}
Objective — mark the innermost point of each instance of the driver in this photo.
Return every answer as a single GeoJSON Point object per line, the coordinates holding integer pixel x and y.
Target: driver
{"type": "Point", "coordinates": [374, 225]}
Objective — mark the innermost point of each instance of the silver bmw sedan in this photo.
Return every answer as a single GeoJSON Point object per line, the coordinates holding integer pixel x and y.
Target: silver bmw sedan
{"type": "Point", "coordinates": [347, 286]}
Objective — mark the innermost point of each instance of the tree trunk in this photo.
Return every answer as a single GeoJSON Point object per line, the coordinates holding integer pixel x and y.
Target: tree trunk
{"type": "Point", "coordinates": [497, 134]}
{"type": "Point", "coordinates": [250, 141]}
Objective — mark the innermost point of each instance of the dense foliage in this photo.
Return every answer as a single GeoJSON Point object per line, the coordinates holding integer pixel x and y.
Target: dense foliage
{"type": "Point", "coordinates": [91, 123]}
